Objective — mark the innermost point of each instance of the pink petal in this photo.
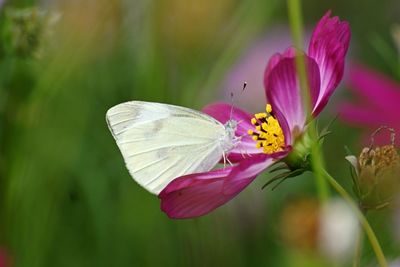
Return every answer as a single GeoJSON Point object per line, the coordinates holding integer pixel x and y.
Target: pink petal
{"type": "Point", "coordinates": [274, 60]}
{"type": "Point", "coordinates": [364, 116]}
{"type": "Point", "coordinates": [360, 115]}
{"type": "Point", "coordinates": [222, 113]}
{"type": "Point", "coordinates": [284, 93]}
{"type": "Point", "coordinates": [198, 194]}
{"type": "Point", "coordinates": [377, 104]}
{"type": "Point", "coordinates": [378, 90]}
{"type": "Point", "coordinates": [328, 47]}
{"type": "Point", "coordinates": [360, 119]}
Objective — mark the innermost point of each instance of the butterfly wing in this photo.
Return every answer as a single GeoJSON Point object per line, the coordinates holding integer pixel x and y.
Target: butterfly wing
{"type": "Point", "coordinates": [160, 142]}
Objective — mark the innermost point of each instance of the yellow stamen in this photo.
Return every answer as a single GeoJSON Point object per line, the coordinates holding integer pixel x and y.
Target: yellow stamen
{"type": "Point", "coordinates": [260, 115]}
{"type": "Point", "coordinates": [264, 126]}
{"type": "Point", "coordinates": [268, 108]}
{"type": "Point", "coordinates": [268, 135]}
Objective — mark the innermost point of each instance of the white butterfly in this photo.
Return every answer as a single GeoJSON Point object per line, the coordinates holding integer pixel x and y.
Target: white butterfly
{"type": "Point", "coordinates": [160, 142]}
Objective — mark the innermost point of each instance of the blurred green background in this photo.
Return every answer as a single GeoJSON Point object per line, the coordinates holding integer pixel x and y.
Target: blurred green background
{"type": "Point", "coordinates": [66, 198]}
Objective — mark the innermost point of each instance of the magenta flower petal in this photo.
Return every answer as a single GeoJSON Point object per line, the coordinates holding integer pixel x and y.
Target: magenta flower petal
{"type": "Point", "coordinates": [360, 115]}
{"type": "Point", "coordinates": [379, 97]}
{"type": "Point", "coordinates": [377, 102]}
{"type": "Point", "coordinates": [198, 194]}
{"type": "Point", "coordinates": [222, 113]}
{"type": "Point", "coordinates": [284, 93]}
{"type": "Point", "coordinates": [375, 88]}
{"type": "Point", "coordinates": [364, 116]}
{"type": "Point", "coordinates": [328, 47]}
{"type": "Point", "coordinates": [274, 60]}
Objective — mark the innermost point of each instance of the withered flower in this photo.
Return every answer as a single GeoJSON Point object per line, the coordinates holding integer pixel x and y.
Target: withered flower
{"type": "Point", "coordinates": [376, 173]}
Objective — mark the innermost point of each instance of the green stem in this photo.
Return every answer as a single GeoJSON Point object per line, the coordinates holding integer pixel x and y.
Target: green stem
{"type": "Point", "coordinates": [358, 249]}
{"type": "Point", "coordinates": [363, 221]}
{"type": "Point", "coordinates": [296, 25]}
{"type": "Point", "coordinates": [317, 164]}
{"type": "Point", "coordinates": [296, 22]}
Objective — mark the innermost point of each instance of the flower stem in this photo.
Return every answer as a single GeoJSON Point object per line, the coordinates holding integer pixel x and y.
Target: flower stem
{"type": "Point", "coordinates": [296, 25]}
{"type": "Point", "coordinates": [296, 22]}
{"type": "Point", "coordinates": [358, 249]}
{"type": "Point", "coordinates": [363, 221]}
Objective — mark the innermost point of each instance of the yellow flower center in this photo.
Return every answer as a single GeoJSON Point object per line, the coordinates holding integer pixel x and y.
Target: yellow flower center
{"type": "Point", "coordinates": [268, 133]}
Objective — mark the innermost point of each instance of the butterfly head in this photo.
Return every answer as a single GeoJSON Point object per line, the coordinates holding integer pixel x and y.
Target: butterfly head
{"type": "Point", "coordinates": [231, 126]}
{"type": "Point", "coordinates": [230, 140]}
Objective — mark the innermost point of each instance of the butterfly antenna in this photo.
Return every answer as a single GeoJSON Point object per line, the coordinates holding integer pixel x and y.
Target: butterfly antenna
{"type": "Point", "coordinates": [233, 99]}
{"type": "Point", "coordinates": [232, 104]}
{"type": "Point", "coordinates": [244, 86]}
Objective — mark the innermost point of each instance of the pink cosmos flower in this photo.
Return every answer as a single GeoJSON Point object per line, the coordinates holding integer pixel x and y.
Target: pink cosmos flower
{"type": "Point", "coordinates": [378, 101]}
{"type": "Point", "coordinates": [268, 136]}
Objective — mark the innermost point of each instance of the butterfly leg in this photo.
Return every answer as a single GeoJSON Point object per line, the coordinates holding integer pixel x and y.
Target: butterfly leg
{"type": "Point", "coordinates": [224, 156]}
{"type": "Point", "coordinates": [226, 159]}
{"type": "Point", "coordinates": [241, 151]}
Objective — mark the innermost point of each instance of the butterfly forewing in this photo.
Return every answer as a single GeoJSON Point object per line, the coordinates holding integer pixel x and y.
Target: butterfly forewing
{"type": "Point", "coordinates": [161, 142]}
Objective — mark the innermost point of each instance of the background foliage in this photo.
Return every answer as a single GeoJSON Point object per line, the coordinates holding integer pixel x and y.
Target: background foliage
{"type": "Point", "coordinates": [66, 197]}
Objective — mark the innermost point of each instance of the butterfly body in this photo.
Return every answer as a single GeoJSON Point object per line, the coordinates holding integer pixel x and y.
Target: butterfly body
{"type": "Point", "coordinates": [160, 142]}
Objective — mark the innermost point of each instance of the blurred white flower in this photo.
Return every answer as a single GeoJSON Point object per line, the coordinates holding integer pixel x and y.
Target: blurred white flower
{"type": "Point", "coordinates": [339, 230]}
{"type": "Point", "coordinates": [394, 263]}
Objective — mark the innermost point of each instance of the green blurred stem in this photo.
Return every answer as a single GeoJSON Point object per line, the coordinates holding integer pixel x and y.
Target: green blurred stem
{"type": "Point", "coordinates": [296, 25]}
{"type": "Point", "coordinates": [358, 249]}
{"type": "Point", "coordinates": [296, 22]}
{"type": "Point", "coordinates": [363, 221]}
{"type": "Point", "coordinates": [295, 19]}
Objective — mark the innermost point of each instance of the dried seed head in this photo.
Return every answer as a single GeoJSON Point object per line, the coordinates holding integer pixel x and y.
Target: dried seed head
{"type": "Point", "coordinates": [378, 179]}
{"type": "Point", "coordinates": [380, 158]}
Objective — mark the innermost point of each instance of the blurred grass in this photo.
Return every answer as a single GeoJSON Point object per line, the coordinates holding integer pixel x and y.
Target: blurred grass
{"type": "Point", "coordinates": [66, 197]}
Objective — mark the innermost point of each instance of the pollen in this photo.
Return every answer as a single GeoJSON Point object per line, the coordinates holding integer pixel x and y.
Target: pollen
{"type": "Point", "coordinates": [268, 108]}
{"type": "Point", "coordinates": [267, 132]}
